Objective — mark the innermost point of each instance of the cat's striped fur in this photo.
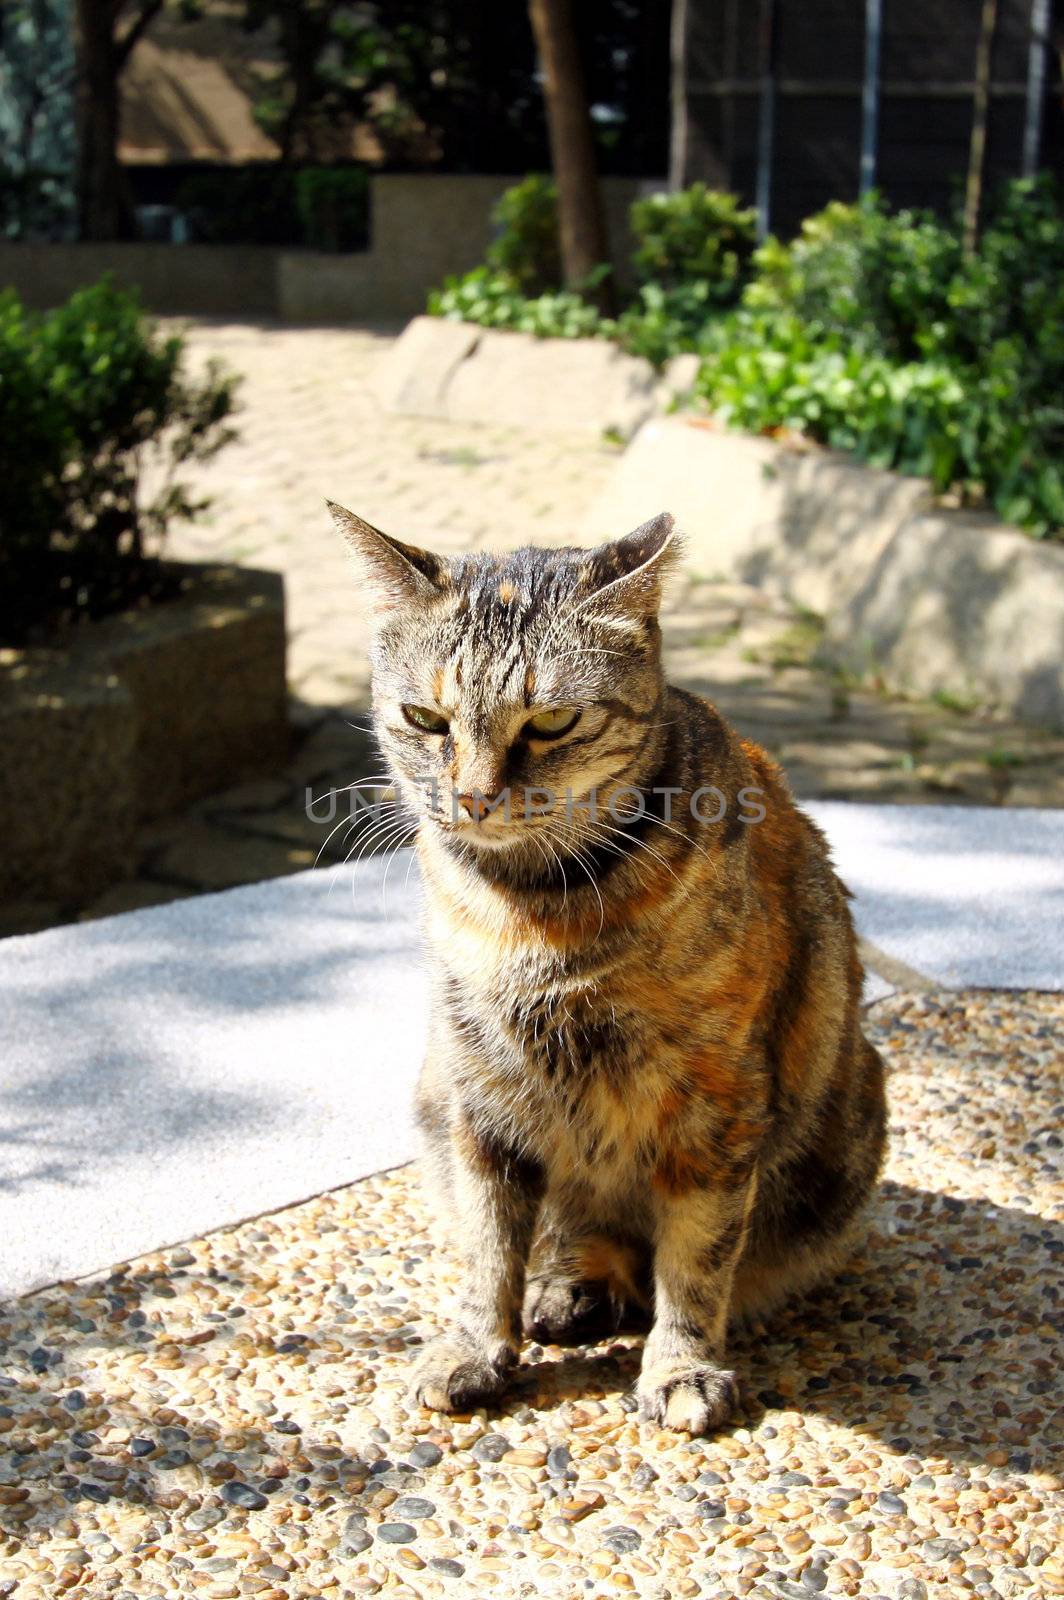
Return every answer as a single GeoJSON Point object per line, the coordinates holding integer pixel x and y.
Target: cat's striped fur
{"type": "Point", "coordinates": [647, 1088]}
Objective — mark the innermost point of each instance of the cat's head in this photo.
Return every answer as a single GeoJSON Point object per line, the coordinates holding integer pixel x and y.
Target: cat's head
{"type": "Point", "coordinates": [535, 676]}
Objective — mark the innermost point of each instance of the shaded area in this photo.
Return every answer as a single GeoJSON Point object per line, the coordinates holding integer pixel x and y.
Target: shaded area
{"type": "Point", "coordinates": [184, 1066]}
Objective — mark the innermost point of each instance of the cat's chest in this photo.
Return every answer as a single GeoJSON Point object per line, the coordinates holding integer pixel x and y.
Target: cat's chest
{"type": "Point", "coordinates": [568, 1033]}
{"type": "Point", "coordinates": [579, 1067]}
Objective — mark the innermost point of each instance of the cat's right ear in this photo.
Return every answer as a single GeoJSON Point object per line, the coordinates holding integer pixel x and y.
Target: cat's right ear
{"type": "Point", "coordinates": [396, 574]}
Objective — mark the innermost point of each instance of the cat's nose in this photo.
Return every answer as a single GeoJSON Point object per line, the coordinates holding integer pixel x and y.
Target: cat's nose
{"type": "Point", "coordinates": [477, 805]}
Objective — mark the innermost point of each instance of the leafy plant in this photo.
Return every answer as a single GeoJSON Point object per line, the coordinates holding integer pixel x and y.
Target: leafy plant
{"type": "Point", "coordinates": [33, 448]}
{"type": "Point", "coordinates": [931, 418]}
{"type": "Point", "coordinates": [326, 208]}
{"type": "Point", "coordinates": [871, 332]}
{"type": "Point", "coordinates": [525, 247]}
{"type": "Point", "coordinates": [491, 299]}
{"type": "Point", "coordinates": [663, 322]}
{"type": "Point", "coordinates": [698, 236]}
{"type": "Point", "coordinates": [702, 240]}
{"type": "Point", "coordinates": [1013, 287]}
{"type": "Point", "coordinates": [772, 373]}
{"type": "Point", "coordinates": [881, 279]}
{"type": "Point", "coordinates": [90, 395]}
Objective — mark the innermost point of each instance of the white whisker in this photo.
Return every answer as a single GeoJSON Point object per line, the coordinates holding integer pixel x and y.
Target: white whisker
{"type": "Point", "coordinates": [349, 822]}
{"type": "Point", "coordinates": [411, 828]}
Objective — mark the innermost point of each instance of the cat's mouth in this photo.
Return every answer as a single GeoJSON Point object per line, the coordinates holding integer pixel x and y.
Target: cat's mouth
{"type": "Point", "coordinates": [484, 834]}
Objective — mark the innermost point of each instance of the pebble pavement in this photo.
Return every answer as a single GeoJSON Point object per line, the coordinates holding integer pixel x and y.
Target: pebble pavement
{"type": "Point", "coordinates": [228, 1418]}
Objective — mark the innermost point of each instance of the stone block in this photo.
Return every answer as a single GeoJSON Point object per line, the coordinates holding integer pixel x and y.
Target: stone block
{"type": "Point", "coordinates": [463, 373]}
{"type": "Point", "coordinates": [144, 713]}
{"type": "Point", "coordinates": [958, 602]}
{"type": "Point", "coordinates": [206, 675]}
{"type": "Point", "coordinates": [412, 377]}
{"type": "Point", "coordinates": [930, 599]}
{"type": "Point", "coordinates": [67, 785]}
{"type": "Point", "coordinates": [552, 385]}
{"type": "Point", "coordinates": [803, 523]}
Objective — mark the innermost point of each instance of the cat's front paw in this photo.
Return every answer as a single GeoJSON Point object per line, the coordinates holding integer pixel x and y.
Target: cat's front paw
{"type": "Point", "coordinates": [688, 1399]}
{"type": "Point", "coordinates": [453, 1375]}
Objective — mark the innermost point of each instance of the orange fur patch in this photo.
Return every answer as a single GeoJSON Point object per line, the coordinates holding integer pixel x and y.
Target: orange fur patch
{"type": "Point", "coordinates": [716, 1077]}
{"type": "Point", "coordinates": [604, 1260]}
{"type": "Point", "coordinates": [680, 1171]}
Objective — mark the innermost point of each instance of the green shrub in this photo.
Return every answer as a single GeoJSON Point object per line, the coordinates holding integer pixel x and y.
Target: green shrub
{"type": "Point", "coordinates": [880, 279]}
{"type": "Point", "coordinates": [960, 427]}
{"type": "Point", "coordinates": [33, 447]}
{"type": "Point", "coordinates": [491, 299]}
{"type": "Point", "coordinates": [698, 236]}
{"type": "Point", "coordinates": [326, 208]}
{"type": "Point", "coordinates": [771, 372]}
{"type": "Point", "coordinates": [871, 331]}
{"type": "Point", "coordinates": [90, 396]}
{"type": "Point", "coordinates": [664, 322]}
{"type": "Point", "coordinates": [1013, 287]}
{"type": "Point", "coordinates": [333, 207]}
{"type": "Point", "coordinates": [703, 241]}
{"type": "Point", "coordinates": [526, 247]}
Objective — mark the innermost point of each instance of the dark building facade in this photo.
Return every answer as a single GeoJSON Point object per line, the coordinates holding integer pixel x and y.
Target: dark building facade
{"type": "Point", "coordinates": [792, 103]}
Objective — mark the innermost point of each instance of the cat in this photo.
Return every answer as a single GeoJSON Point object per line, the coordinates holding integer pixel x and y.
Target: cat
{"type": "Point", "coordinates": [646, 1092]}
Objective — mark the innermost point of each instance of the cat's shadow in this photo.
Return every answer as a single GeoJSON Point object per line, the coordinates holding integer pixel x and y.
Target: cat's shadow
{"type": "Point", "coordinates": [935, 1340]}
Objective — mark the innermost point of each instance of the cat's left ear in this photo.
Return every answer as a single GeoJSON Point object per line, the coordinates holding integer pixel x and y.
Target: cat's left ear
{"type": "Point", "coordinates": [626, 575]}
{"type": "Point", "coordinates": [396, 574]}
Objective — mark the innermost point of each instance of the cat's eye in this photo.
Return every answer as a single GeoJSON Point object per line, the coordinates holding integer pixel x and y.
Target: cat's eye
{"type": "Point", "coordinates": [552, 724]}
{"type": "Point", "coordinates": [425, 719]}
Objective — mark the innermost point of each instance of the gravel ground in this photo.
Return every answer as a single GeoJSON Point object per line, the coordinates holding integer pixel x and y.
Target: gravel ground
{"type": "Point", "coordinates": [228, 1418]}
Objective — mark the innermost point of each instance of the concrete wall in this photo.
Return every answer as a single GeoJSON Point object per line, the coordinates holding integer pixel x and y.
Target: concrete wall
{"type": "Point", "coordinates": [423, 227]}
{"type": "Point", "coordinates": [201, 279]}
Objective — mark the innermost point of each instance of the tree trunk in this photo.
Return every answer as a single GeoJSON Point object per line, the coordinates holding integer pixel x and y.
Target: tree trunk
{"type": "Point", "coordinates": [973, 194]}
{"type": "Point", "coordinates": [678, 133]}
{"type": "Point", "coordinates": [104, 207]}
{"type": "Point", "coordinates": [304, 38]}
{"type": "Point", "coordinates": [580, 216]}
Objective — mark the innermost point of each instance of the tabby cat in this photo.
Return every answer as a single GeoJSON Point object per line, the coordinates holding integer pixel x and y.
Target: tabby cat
{"type": "Point", "coordinates": [647, 1090]}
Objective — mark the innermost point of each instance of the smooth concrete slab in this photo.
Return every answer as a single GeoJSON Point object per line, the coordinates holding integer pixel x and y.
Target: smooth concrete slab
{"type": "Point", "coordinates": [571, 386]}
{"type": "Point", "coordinates": [176, 1069]}
{"type": "Point", "coordinates": [171, 1070]}
{"type": "Point", "coordinates": [970, 896]}
{"type": "Point", "coordinates": [959, 601]}
{"type": "Point", "coordinates": [413, 375]}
